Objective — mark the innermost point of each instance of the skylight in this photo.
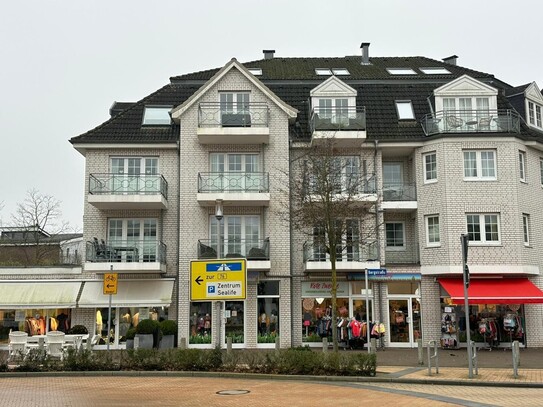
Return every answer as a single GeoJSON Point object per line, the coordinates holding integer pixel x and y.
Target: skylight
{"type": "Point", "coordinates": [401, 71]}
{"type": "Point", "coordinates": [157, 115]}
{"type": "Point", "coordinates": [256, 71]}
{"type": "Point", "coordinates": [323, 71]}
{"type": "Point", "coordinates": [435, 71]}
{"type": "Point", "coordinates": [340, 71]}
{"type": "Point", "coordinates": [405, 110]}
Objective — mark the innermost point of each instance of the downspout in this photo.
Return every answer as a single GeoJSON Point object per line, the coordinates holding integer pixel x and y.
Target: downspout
{"type": "Point", "coordinates": [178, 252]}
{"type": "Point", "coordinates": [291, 265]}
{"type": "Point", "coordinates": [377, 234]}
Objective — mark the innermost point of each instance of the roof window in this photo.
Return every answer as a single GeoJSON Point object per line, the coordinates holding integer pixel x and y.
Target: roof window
{"type": "Point", "coordinates": [323, 71]}
{"type": "Point", "coordinates": [256, 71]}
{"type": "Point", "coordinates": [435, 71]}
{"type": "Point", "coordinates": [405, 110]}
{"type": "Point", "coordinates": [401, 71]}
{"type": "Point", "coordinates": [157, 115]}
{"type": "Point", "coordinates": [340, 71]}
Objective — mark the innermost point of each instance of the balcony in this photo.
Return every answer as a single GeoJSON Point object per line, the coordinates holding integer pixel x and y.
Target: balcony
{"type": "Point", "coordinates": [354, 189]}
{"type": "Point", "coordinates": [220, 125]}
{"type": "Point", "coordinates": [119, 191]}
{"type": "Point", "coordinates": [346, 127]}
{"type": "Point", "coordinates": [471, 121]}
{"type": "Point", "coordinates": [239, 188]}
{"type": "Point", "coordinates": [351, 257]}
{"type": "Point", "coordinates": [400, 197]}
{"type": "Point", "coordinates": [126, 256]}
{"type": "Point", "coordinates": [256, 251]}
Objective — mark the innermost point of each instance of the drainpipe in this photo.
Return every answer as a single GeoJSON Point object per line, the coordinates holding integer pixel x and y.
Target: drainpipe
{"type": "Point", "coordinates": [377, 234]}
{"type": "Point", "coordinates": [178, 237]}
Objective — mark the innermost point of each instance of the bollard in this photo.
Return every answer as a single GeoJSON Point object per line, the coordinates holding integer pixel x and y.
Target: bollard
{"type": "Point", "coordinates": [324, 344]}
{"type": "Point", "coordinates": [229, 345]}
{"type": "Point", "coordinates": [183, 343]}
{"type": "Point", "coordinates": [421, 352]}
{"type": "Point", "coordinates": [41, 343]}
{"type": "Point", "coordinates": [515, 350]}
{"type": "Point", "coordinates": [373, 342]}
{"type": "Point", "coordinates": [136, 343]}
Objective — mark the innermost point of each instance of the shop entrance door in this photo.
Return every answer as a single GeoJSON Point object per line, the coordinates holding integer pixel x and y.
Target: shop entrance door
{"type": "Point", "coordinates": [404, 325]}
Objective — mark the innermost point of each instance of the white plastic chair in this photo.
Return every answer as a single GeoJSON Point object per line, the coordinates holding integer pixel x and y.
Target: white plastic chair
{"type": "Point", "coordinates": [17, 344]}
{"type": "Point", "coordinates": [54, 344]}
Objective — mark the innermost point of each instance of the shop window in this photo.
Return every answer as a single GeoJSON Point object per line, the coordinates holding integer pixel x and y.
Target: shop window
{"type": "Point", "coordinates": [268, 311]}
{"type": "Point", "coordinates": [33, 321]}
{"type": "Point", "coordinates": [200, 323]}
{"type": "Point", "coordinates": [234, 313]}
{"type": "Point", "coordinates": [403, 287]}
{"type": "Point", "coordinates": [317, 317]}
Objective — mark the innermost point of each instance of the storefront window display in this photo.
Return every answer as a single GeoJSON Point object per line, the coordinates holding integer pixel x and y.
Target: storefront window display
{"type": "Point", "coordinates": [268, 311]}
{"type": "Point", "coordinates": [490, 324]}
{"type": "Point", "coordinates": [200, 323]}
{"type": "Point", "coordinates": [234, 326]}
{"type": "Point", "coordinates": [33, 321]}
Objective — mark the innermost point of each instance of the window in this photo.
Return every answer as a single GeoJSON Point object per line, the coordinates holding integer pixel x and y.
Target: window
{"type": "Point", "coordinates": [340, 71]}
{"type": "Point", "coordinates": [337, 110]}
{"type": "Point", "coordinates": [158, 115]}
{"type": "Point", "coordinates": [323, 71]}
{"type": "Point", "coordinates": [534, 114]}
{"type": "Point", "coordinates": [134, 239]}
{"type": "Point", "coordinates": [255, 71]}
{"type": "Point", "coordinates": [395, 236]}
{"type": "Point", "coordinates": [268, 311]}
{"type": "Point", "coordinates": [432, 230]}
{"type": "Point", "coordinates": [234, 102]}
{"type": "Point", "coordinates": [131, 175]}
{"type": "Point", "coordinates": [483, 228]}
{"type": "Point", "coordinates": [392, 174]}
{"type": "Point", "coordinates": [541, 170]}
{"type": "Point", "coordinates": [235, 172]}
{"type": "Point", "coordinates": [342, 172]}
{"type": "Point", "coordinates": [435, 71]}
{"type": "Point", "coordinates": [526, 229]}
{"type": "Point", "coordinates": [348, 249]}
{"type": "Point", "coordinates": [401, 71]}
{"type": "Point", "coordinates": [430, 167]}
{"type": "Point", "coordinates": [522, 165]}
{"type": "Point", "coordinates": [405, 110]}
{"type": "Point", "coordinates": [237, 234]}
{"type": "Point", "coordinates": [479, 165]}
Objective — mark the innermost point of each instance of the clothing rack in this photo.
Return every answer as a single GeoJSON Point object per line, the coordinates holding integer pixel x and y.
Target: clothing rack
{"type": "Point", "coordinates": [489, 329]}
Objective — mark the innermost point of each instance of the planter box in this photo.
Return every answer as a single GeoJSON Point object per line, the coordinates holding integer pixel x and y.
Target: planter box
{"type": "Point", "coordinates": [167, 342]}
{"type": "Point", "coordinates": [130, 344]}
{"type": "Point", "coordinates": [146, 341]}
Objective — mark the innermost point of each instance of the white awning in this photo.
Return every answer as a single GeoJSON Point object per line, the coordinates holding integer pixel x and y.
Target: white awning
{"type": "Point", "coordinates": [130, 293]}
{"type": "Point", "coordinates": [38, 294]}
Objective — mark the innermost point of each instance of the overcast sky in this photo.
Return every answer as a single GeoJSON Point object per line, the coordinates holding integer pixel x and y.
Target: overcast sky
{"type": "Point", "coordinates": [63, 63]}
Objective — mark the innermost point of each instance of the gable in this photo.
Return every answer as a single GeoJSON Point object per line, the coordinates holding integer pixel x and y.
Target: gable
{"type": "Point", "coordinates": [465, 85]}
{"type": "Point", "coordinates": [534, 94]}
{"type": "Point", "coordinates": [333, 87]}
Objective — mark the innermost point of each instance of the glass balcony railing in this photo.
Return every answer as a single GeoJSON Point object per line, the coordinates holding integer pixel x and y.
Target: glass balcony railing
{"type": "Point", "coordinates": [251, 249]}
{"type": "Point", "coordinates": [343, 119]}
{"type": "Point", "coordinates": [121, 184]}
{"type": "Point", "coordinates": [233, 115]}
{"type": "Point", "coordinates": [233, 182]}
{"type": "Point", "coordinates": [471, 121]}
{"type": "Point", "coordinates": [348, 251]}
{"type": "Point", "coordinates": [400, 192]}
{"type": "Point", "coordinates": [126, 251]}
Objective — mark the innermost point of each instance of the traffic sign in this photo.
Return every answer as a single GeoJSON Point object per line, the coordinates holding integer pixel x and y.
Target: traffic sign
{"type": "Point", "coordinates": [377, 272]}
{"type": "Point", "coordinates": [110, 283]}
{"type": "Point", "coordinates": [218, 280]}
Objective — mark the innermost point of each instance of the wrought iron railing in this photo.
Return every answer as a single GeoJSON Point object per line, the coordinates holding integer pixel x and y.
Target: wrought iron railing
{"type": "Point", "coordinates": [471, 121]}
{"type": "Point", "coordinates": [400, 192]}
{"type": "Point", "coordinates": [343, 119]}
{"type": "Point", "coordinates": [251, 249]}
{"type": "Point", "coordinates": [126, 251]}
{"type": "Point", "coordinates": [233, 182]}
{"type": "Point", "coordinates": [123, 184]}
{"type": "Point", "coordinates": [347, 251]}
{"type": "Point", "coordinates": [233, 115]}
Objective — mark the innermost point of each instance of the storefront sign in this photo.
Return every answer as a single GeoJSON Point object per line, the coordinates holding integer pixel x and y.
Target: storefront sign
{"type": "Point", "coordinates": [316, 289]}
{"type": "Point", "coordinates": [218, 280]}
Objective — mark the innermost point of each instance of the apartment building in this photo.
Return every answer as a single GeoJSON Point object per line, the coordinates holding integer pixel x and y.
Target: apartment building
{"type": "Point", "coordinates": [200, 170]}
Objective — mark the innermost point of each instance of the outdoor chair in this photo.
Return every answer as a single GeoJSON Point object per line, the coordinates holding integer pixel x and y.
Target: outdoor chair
{"type": "Point", "coordinates": [17, 345]}
{"type": "Point", "coordinates": [454, 122]}
{"type": "Point", "coordinates": [54, 344]}
{"type": "Point", "coordinates": [484, 123]}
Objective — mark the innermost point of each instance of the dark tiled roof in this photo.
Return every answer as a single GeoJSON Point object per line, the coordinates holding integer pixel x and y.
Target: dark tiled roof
{"type": "Point", "coordinates": [516, 90]}
{"type": "Point", "coordinates": [119, 107]}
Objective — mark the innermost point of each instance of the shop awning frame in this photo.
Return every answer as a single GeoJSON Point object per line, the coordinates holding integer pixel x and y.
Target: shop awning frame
{"type": "Point", "coordinates": [493, 291]}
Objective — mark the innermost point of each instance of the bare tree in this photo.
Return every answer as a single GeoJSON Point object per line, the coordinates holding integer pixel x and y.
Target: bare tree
{"type": "Point", "coordinates": [331, 197]}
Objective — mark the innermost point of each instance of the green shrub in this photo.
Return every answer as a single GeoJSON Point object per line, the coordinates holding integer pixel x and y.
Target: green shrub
{"type": "Point", "coordinates": [78, 330]}
{"type": "Point", "coordinates": [131, 333]}
{"type": "Point", "coordinates": [200, 339]}
{"type": "Point", "coordinates": [266, 338]}
{"type": "Point", "coordinates": [147, 326]}
{"type": "Point", "coordinates": [168, 327]}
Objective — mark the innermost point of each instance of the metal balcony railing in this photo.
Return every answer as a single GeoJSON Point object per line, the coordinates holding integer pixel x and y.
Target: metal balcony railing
{"type": "Point", "coordinates": [400, 192]}
{"type": "Point", "coordinates": [347, 251]}
{"type": "Point", "coordinates": [471, 121]}
{"type": "Point", "coordinates": [126, 251]}
{"type": "Point", "coordinates": [251, 249]}
{"type": "Point", "coordinates": [343, 119]}
{"type": "Point", "coordinates": [346, 185]}
{"type": "Point", "coordinates": [233, 182]}
{"type": "Point", "coordinates": [121, 184]}
{"type": "Point", "coordinates": [233, 115]}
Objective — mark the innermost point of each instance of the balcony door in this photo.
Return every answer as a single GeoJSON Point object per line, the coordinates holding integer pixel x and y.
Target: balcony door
{"type": "Point", "coordinates": [131, 175]}
{"type": "Point", "coordinates": [235, 235]}
{"type": "Point", "coordinates": [347, 250]}
{"type": "Point", "coordinates": [236, 172]}
{"type": "Point", "coordinates": [133, 240]}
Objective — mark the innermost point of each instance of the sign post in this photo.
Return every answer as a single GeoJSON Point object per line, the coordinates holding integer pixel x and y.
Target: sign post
{"type": "Point", "coordinates": [110, 288]}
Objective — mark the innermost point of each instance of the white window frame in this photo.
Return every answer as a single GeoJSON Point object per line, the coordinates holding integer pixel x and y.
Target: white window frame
{"type": "Point", "coordinates": [431, 240]}
{"type": "Point", "coordinates": [522, 165]}
{"type": "Point", "coordinates": [340, 71]}
{"type": "Point", "coordinates": [405, 111]}
{"type": "Point", "coordinates": [401, 247]}
{"type": "Point", "coordinates": [234, 102]}
{"type": "Point", "coordinates": [526, 229]}
{"type": "Point", "coordinates": [479, 157]}
{"type": "Point", "coordinates": [429, 178]}
{"type": "Point", "coordinates": [346, 177]}
{"type": "Point", "coordinates": [541, 170]}
{"type": "Point", "coordinates": [157, 116]}
{"type": "Point", "coordinates": [401, 71]}
{"type": "Point", "coordinates": [484, 221]}
{"type": "Point", "coordinates": [230, 240]}
{"type": "Point", "coordinates": [435, 71]}
{"type": "Point", "coordinates": [323, 71]}
{"type": "Point", "coordinates": [350, 242]}
{"type": "Point", "coordinates": [255, 71]}
{"type": "Point", "coordinates": [145, 241]}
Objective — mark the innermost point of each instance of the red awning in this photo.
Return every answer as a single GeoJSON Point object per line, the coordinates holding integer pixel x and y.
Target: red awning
{"type": "Point", "coordinates": [493, 291]}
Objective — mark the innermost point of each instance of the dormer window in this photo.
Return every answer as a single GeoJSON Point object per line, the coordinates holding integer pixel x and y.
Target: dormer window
{"type": "Point", "coordinates": [157, 116]}
{"type": "Point", "coordinates": [534, 114]}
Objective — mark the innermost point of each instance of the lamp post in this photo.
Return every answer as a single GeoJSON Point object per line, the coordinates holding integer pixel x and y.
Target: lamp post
{"type": "Point", "coordinates": [219, 216]}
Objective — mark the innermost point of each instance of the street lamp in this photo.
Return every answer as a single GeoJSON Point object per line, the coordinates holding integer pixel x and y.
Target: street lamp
{"type": "Point", "coordinates": [219, 216]}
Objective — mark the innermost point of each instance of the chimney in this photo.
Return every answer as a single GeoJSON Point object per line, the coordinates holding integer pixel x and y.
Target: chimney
{"type": "Point", "coordinates": [450, 60]}
{"type": "Point", "coordinates": [365, 53]}
{"type": "Point", "coordinates": [268, 53]}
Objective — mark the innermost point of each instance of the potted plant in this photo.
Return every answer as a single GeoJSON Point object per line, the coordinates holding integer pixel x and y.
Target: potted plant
{"type": "Point", "coordinates": [78, 330]}
{"type": "Point", "coordinates": [148, 331]}
{"type": "Point", "coordinates": [169, 330]}
{"type": "Point", "coordinates": [130, 335]}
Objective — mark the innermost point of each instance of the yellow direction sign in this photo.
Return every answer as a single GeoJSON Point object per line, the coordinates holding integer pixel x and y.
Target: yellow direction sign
{"type": "Point", "coordinates": [110, 283]}
{"type": "Point", "coordinates": [218, 280]}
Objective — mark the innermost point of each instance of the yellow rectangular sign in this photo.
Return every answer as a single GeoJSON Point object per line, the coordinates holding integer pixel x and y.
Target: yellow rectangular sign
{"type": "Point", "coordinates": [110, 283]}
{"type": "Point", "coordinates": [218, 280]}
